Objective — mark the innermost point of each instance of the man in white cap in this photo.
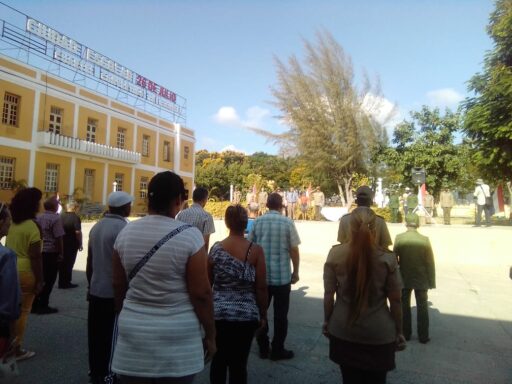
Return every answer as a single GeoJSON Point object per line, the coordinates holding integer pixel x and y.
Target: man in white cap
{"type": "Point", "coordinates": [99, 275]}
{"type": "Point", "coordinates": [482, 196]}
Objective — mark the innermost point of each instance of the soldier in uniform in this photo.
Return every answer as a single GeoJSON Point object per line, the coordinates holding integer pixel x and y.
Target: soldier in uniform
{"type": "Point", "coordinates": [412, 202]}
{"type": "Point", "coordinates": [364, 196]}
{"type": "Point", "coordinates": [404, 200]}
{"type": "Point", "coordinates": [237, 196]}
{"type": "Point", "coordinates": [394, 205]}
{"type": "Point", "coordinates": [417, 267]}
{"type": "Point", "coordinates": [446, 202]}
{"type": "Point", "coordinates": [428, 204]}
{"type": "Point", "coordinates": [262, 201]}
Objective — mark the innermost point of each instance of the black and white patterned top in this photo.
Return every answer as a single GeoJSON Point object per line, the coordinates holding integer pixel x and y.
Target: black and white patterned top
{"type": "Point", "coordinates": [234, 288]}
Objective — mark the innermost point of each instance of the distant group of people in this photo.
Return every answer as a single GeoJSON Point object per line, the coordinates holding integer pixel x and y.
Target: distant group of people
{"type": "Point", "coordinates": [296, 203]}
{"type": "Point", "coordinates": [162, 302]}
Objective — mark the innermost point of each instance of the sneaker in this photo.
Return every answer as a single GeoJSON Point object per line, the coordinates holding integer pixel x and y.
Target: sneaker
{"type": "Point", "coordinates": [23, 354]}
{"type": "Point", "coordinates": [46, 310]}
{"type": "Point", "coordinates": [283, 354]}
{"type": "Point", "coordinates": [425, 341]}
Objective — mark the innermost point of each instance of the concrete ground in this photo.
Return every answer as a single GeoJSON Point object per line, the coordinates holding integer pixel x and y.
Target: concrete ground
{"type": "Point", "coordinates": [470, 317]}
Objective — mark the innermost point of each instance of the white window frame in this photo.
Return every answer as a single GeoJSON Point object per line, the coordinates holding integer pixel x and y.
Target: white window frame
{"type": "Point", "coordinates": [51, 178]}
{"type": "Point", "coordinates": [92, 127]}
{"type": "Point", "coordinates": [121, 138]}
{"type": "Point", "coordinates": [119, 179]}
{"type": "Point", "coordinates": [143, 187]}
{"type": "Point", "coordinates": [7, 169]}
{"type": "Point", "coordinates": [145, 145]}
{"type": "Point", "coordinates": [55, 123]}
{"type": "Point", "coordinates": [10, 111]}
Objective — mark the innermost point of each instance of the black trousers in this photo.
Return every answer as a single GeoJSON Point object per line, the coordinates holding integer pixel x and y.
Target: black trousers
{"type": "Point", "coordinates": [484, 208]}
{"type": "Point", "coordinates": [421, 312]}
{"type": "Point", "coordinates": [359, 376]}
{"type": "Point", "coordinates": [50, 270]}
{"type": "Point", "coordinates": [66, 266]}
{"type": "Point", "coordinates": [233, 340]}
{"type": "Point", "coordinates": [100, 326]}
{"type": "Point", "coordinates": [281, 296]}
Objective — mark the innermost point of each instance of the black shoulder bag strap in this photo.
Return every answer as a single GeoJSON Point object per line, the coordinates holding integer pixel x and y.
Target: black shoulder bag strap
{"type": "Point", "coordinates": [155, 248]}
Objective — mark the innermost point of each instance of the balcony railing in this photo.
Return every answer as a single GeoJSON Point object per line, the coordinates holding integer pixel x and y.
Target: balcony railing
{"type": "Point", "coordinates": [75, 145]}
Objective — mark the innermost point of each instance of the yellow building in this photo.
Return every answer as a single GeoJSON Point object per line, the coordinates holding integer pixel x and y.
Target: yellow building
{"type": "Point", "coordinates": [62, 137]}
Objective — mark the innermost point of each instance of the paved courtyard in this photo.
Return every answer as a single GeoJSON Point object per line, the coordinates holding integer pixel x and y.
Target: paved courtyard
{"type": "Point", "coordinates": [470, 316]}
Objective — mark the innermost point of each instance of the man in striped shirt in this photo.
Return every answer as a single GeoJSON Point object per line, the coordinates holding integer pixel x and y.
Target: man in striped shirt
{"type": "Point", "coordinates": [278, 237]}
{"type": "Point", "coordinates": [196, 216]}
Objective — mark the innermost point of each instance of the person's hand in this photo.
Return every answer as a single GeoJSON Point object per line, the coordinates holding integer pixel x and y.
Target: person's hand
{"type": "Point", "coordinates": [295, 277]}
{"type": "Point", "coordinates": [401, 343]}
{"type": "Point", "coordinates": [325, 331]}
{"type": "Point", "coordinates": [80, 248]}
{"type": "Point", "coordinates": [210, 348]}
{"type": "Point", "coordinates": [263, 323]}
{"type": "Point", "coordinates": [60, 258]}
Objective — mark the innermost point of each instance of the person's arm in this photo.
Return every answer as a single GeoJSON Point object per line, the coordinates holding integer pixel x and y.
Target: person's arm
{"type": "Point", "coordinates": [60, 248]}
{"type": "Point", "coordinates": [330, 284]}
{"type": "Point", "coordinates": [78, 235]}
{"type": "Point", "coordinates": [206, 242]}
{"type": "Point", "coordinates": [294, 255]}
{"type": "Point", "coordinates": [119, 281]}
{"type": "Point", "coordinates": [201, 298]}
{"type": "Point", "coordinates": [261, 284]}
{"type": "Point", "coordinates": [88, 267]}
{"type": "Point", "coordinates": [430, 264]}
{"type": "Point", "coordinates": [395, 307]}
{"type": "Point", "coordinates": [36, 264]}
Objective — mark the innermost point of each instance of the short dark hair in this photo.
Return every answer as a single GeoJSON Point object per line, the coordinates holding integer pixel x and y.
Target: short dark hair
{"type": "Point", "coordinates": [123, 210]}
{"type": "Point", "coordinates": [236, 218]}
{"type": "Point", "coordinates": [25, 204]}
{"type": "Point", "coordinates": [51, 204]}
{"type": "Point", "coordinates": [163, 188]}
{"type": "Point", "coordinates": [199, 194]}
{"type": "Point", "coordinates": [274, 201]}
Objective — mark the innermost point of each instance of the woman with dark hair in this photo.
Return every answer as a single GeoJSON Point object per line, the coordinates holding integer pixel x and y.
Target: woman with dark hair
{"type": "Point", "coordinates": [162, 291]}
{"type": "Point", "coordinates": [363, 331]}
{"type": "Point", "coordinates": [24, 238]}
{"type": "Point", "coordinates": [237, 270]}
{"type": "Point", "coordinates": [9, 287]}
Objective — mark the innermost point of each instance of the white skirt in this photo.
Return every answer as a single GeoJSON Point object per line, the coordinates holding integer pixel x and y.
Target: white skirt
{"type": "Point", "coordinates": [154, 341]}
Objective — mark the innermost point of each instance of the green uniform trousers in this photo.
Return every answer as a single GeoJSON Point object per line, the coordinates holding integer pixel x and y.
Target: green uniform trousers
{"type": "Point", "coordinates": [421, 310]}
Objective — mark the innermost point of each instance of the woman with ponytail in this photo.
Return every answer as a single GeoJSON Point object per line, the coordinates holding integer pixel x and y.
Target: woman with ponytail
{"type": "Point", "coordinates": [363, 331]}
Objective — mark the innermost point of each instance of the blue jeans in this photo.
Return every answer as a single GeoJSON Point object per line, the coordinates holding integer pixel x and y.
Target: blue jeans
{"type": "Point", "coordinates": [281, 296]}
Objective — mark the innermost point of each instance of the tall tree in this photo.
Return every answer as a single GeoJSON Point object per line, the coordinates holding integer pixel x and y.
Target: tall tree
{"type": "Point", "coordinates": [427, 141]}
{"type": "Point", "coordinates": [329, 116]}
{"type": "Point", "coordinates": [488, 120]}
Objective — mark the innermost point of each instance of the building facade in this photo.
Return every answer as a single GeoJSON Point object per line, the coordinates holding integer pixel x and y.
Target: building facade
{"type": "Point", "coordinates": [64, 138]}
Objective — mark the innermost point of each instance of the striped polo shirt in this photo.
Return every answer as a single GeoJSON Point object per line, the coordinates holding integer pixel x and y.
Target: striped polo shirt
{"type": "Point", "coordinates": [195, 215]}
{"type": "Point", "coordinates": [276, 234]}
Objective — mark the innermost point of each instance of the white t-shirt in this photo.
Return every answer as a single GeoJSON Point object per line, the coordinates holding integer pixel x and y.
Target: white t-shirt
{"type": "Point", "coordinates": [158, 333]}
{"type": "Point", "coordinates": [481, 192]}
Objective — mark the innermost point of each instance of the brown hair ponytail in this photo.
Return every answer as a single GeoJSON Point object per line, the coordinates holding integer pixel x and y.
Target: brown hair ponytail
{"type": "Point", "coordinates": [359, 262]}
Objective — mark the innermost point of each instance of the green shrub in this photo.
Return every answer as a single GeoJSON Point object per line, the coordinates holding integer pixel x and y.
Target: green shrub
{"type": "Point", "coordinates": [217, 208]}
{"type": "Point", "coordinates": [386, 213]}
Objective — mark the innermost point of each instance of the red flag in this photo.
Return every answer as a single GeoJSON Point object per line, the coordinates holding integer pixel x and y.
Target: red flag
{"type": "Point", "coordinates": [498, 200]}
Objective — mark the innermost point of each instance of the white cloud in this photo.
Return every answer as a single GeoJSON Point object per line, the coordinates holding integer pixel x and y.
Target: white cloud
{"type": "Point", "coordinates": [253, 117]}
{"type": "Point", "coordinates": [446, 97]}
{"type": "Point", "coordinates": [231, 147]}
{"type": "Point", "coordinates": [227, 115]}
{"type": "Point", "coordinates": [383, 111]}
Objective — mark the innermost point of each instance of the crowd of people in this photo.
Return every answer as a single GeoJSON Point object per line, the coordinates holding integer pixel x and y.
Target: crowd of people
{"type": "Point", "coordinates": [305, 204]}
{"type": "Point", "coordinates": [163, 302]}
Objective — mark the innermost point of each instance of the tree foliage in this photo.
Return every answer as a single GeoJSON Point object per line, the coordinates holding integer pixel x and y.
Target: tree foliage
{"type": "Point", "coordinates": [488, 120]}
{"type": "Point", "coordinates": [329, 116]}
{"type": "Point", "coordinates": [427, 141]}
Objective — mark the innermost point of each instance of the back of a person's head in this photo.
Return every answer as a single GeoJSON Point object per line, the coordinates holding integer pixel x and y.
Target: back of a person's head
{"type": "Point", "coordinates": [364, 196]}
{"type": "Point", "coordinates": [25, 204]}
{"type": "Point", "coordinates": [236, 218]}
{"type": "Point", "coordinates": [163, 188]}
{"type": "Point", "coordinates": [200, 194]}
{"type": "Point", "coordinates": [275, 201]}
{"type": "Point", "coordinates": [51, 204]}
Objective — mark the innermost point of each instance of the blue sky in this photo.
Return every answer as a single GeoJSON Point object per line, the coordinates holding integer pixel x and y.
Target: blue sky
{"type": "Point", "coordinates": [219, 54]}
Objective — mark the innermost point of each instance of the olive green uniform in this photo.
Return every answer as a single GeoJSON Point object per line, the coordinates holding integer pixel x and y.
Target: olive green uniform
{"type": "Point", "coordinates": [417, 267]}
{"type": "Point", "coordinates": [394, 205]}
{"type": "Point", "coordinates": [412, 202]}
